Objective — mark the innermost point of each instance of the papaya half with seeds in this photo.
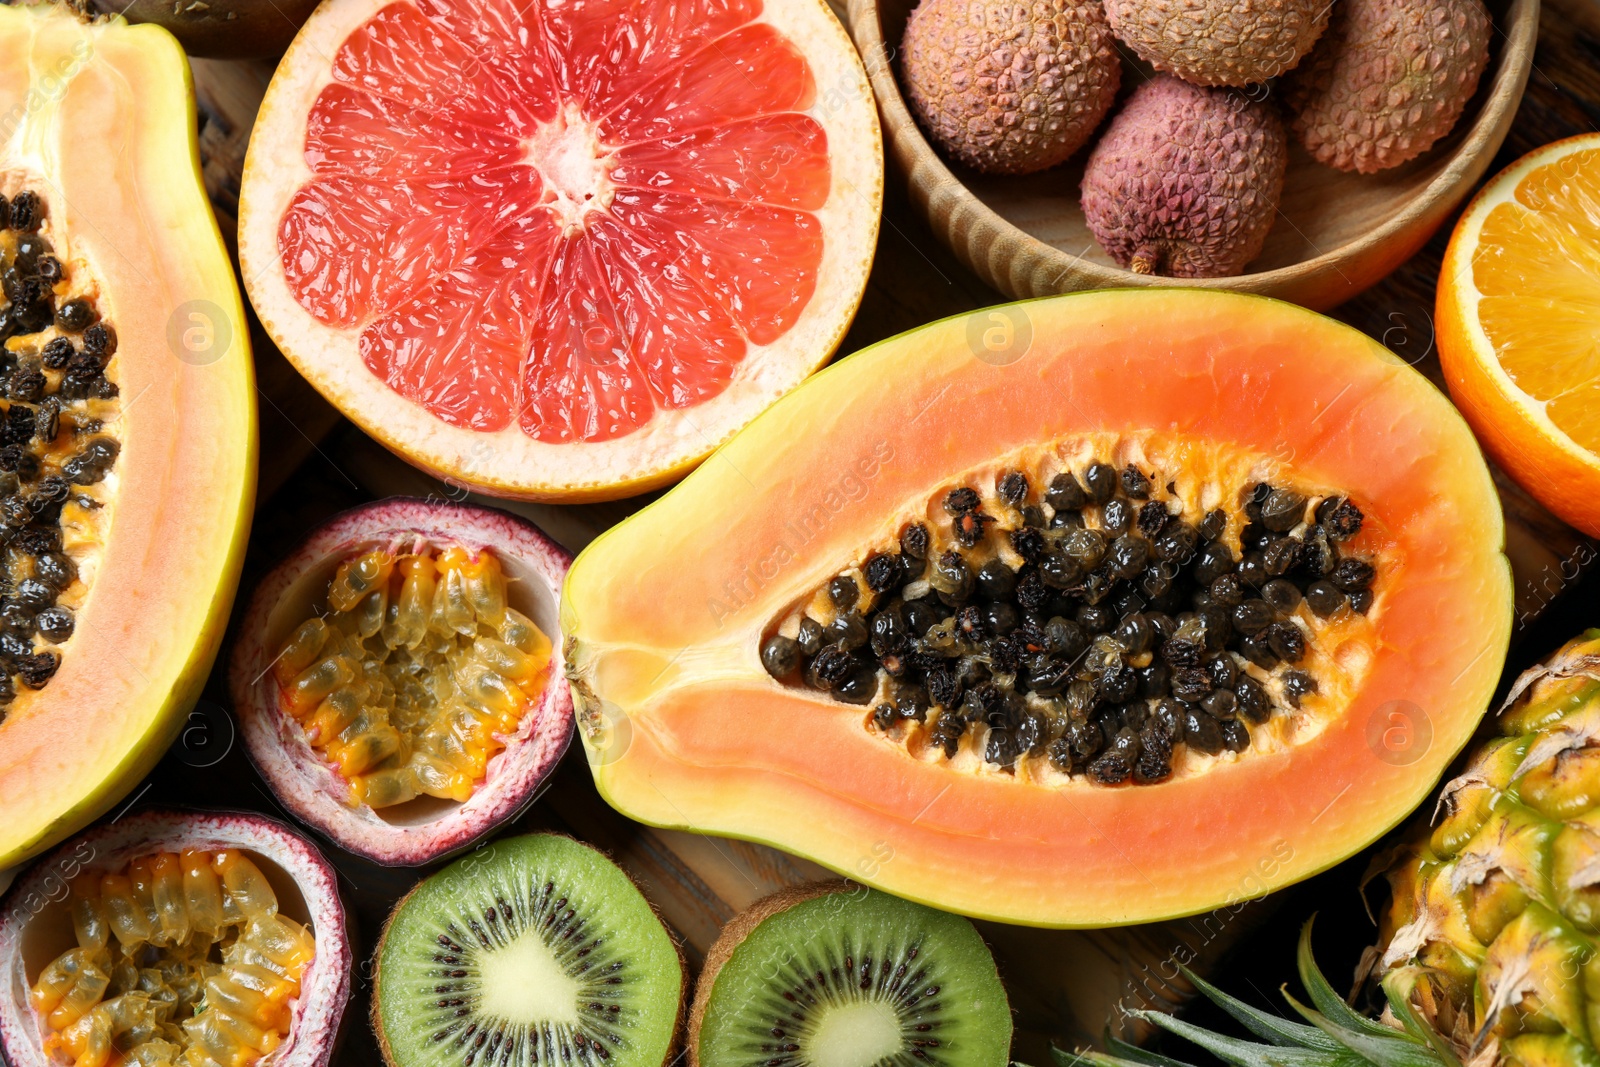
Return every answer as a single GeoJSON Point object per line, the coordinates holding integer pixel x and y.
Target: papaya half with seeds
{"type": "Point", "coordinates": [1164, 601]}
{"type": "Point", "coordinates": [127, 435]}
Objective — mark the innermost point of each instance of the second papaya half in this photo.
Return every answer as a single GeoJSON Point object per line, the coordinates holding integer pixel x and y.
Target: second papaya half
{"type": "Point", "coordinates": [1098, 609]}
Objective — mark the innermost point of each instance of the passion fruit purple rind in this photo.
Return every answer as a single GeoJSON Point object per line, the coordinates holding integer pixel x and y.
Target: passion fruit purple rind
{"type": "Point", "coordinates": [37, 930]}
{"type": "Point", "coordinates": [399, 678]}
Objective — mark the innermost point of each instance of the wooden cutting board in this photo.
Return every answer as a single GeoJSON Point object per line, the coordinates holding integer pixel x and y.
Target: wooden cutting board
{"type": "Point", "coordinates": [1065, 985]}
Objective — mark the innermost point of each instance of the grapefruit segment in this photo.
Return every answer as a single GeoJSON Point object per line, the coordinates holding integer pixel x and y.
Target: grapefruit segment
{"type": "Point", "coordinates": [457, 347]}
{"type": "Point", "coordinates": [360, 134]}
{"type": "Point", "coordinates": [604, 51]}
{"type": "Point", "coordinates": [591, 389]}
{"type": "Point", "coordinates": [761, 269]}
{"type": "Point", "coordinates": [752, 71]}
{"type": "Point", "coordinates": [774, 159]}
{"type": "Point", "coordinates": [407, 57]}
{"type": "Point", "coordinates": [686, 346]}
{"type": "Point", "coordinates": [578, 223]}
{"type": "Point", "coordinates": [501, 29]}
{"type": "Point", "coordinates": [352, 247]}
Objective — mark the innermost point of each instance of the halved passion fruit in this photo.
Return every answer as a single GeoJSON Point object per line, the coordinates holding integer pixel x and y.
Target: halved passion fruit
{"type": "Point", "coordinates": [175, 938]}
{"type": "Point", "coordinates": [1097, 609]}
{"type": "Point", "coordinates": [398, 680]}
{"type": "Point", "coordinates": [127, 417]}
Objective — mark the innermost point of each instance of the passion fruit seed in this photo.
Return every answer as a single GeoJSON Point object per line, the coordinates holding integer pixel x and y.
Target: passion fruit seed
{"type": "Point", "coordinates": [46, 387]}
{"type": "Point", "coordinates": [1105, 645]}
{"type": "Point", "coordinates": [181, 958]}
{"type": "Point", "coordinates": [416, 676]}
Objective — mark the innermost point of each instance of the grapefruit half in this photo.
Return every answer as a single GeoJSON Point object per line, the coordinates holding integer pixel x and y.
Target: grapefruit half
{"type": "Point", "coordinates": [561, 249]}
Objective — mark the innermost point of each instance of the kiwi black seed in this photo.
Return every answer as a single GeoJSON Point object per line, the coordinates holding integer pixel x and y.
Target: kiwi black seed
{"type": "Point", "coordinates": [834, 973]}
{"type": "Point", "coordinates": [534, 949]}
{"type": "Point", "coordinates": [1051, 615]}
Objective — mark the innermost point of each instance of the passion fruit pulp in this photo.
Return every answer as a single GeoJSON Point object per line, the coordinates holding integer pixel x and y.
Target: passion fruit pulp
{"type": "Point", "coordinates": [398, 679]}
{"type": "Point", "coordinates": [173, 936]}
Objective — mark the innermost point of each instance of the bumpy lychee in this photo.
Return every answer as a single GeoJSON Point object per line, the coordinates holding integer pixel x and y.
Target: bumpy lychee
{"type": "Point", "coordinates": [1220, 42]}
{"type": "Point", "coordinates": [1390, 78]}
{"type": "Point", "coordinates": [1010, 88]}
{"type": "Point", "coordinates": [1186, 180]}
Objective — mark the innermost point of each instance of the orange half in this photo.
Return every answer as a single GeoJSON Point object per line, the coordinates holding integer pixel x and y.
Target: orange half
{"type": "Point", "coordinates": [1519, 324]}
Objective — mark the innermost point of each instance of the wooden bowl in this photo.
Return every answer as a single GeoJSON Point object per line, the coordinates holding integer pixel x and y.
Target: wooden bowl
{"type": "Point", "coordinates": [1336, 233]}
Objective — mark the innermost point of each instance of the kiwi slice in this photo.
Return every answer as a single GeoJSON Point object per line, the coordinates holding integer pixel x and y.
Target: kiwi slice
{"type": "Point", "coordinates": [534, 950]}
{"type": "Point", "coordinates": [838, 975]}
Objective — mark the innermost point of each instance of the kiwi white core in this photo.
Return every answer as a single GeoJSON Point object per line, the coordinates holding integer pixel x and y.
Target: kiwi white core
{"type": "Point", "coordinates": [854, 1034]}
{"type": "Point", "coordinates": [524, 983]}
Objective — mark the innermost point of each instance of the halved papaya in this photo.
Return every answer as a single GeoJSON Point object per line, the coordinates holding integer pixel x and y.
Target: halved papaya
{"type": "Point", "coordinates": [1097, 609]}
{"type": "Point", "coordinates": [127, 416]}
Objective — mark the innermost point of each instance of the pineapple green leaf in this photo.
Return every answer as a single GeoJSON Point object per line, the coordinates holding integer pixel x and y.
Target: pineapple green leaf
{"type": "Point", "coordinates": [1243, 1053]}
{"type": "Point", "coordinates": [1088, 1057]}
{"type": "Point", "coordinates": [1273, 1028]}
{"type": "Point", "coordinates": [1118, 1053]}
{"type": "Point", "coordinates": [1096, 1058]}
{"type": "Point", "coordinates": [1330, 1003]}
{"type": "Point", "coordinates": [1128, 1051]}
{"type": "Point", "coordinates": [1392, 1048]}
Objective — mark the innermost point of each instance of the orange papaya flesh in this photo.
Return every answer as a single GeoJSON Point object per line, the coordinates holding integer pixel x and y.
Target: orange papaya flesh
{"type": "Point", "coordinates": [666, 613]}
{"type": "Point", "coordinates": [100, 125]}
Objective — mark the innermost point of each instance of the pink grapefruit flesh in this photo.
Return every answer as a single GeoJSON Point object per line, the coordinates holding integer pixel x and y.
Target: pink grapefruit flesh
{"type": "Point", "coordinates": [568, 222]}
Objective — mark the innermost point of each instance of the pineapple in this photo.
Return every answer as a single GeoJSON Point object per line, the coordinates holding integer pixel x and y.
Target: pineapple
{"type": "Point", "coordinates": [1487, 953]}
{"type": "Point", "coordinates": [1498, 907]}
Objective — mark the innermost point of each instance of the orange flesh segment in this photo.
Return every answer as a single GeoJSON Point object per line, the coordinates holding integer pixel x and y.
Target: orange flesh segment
{"type": "Point", "coordinates": [96, 999]}
{"type": "Point", "coordinates": [458, 673]}
{"type": "Point", "coordinates": [1537, 267]}
{"type": "Point", "coordinates": [567, 217]}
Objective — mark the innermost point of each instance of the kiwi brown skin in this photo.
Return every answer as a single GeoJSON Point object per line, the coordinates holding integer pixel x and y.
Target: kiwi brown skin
{"type": "Point", "coordinates": [683, 973]}
{"type": "Point", "coordinates": [733, 935]}
{"type": "Point", "coordinates": [221, 29]}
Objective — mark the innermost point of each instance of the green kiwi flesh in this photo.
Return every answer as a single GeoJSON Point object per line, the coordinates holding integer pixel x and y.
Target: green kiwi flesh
{"type": "Point", "coordinates": [855, 978]}
{"type": "Point", "coordinates": [532, 950]}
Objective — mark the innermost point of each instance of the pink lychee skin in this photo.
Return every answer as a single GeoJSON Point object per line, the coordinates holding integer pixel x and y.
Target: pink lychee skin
{"type": "Point", "coordinates": [1389, 80]}
{"type": "Point", "coordinates": [1220, 42]}
{"type": "Point", "coordinates": [324, 985]}
{"type": "Point", "coordinates": [306, 785]}
{"type": "Point", "coordinates": [1010, 88]}
{"type": "Point", "coordinates": [1186, 180]}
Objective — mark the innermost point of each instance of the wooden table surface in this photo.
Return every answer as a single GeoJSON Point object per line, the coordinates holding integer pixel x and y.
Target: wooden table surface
{"type": "Point", "coordinates": [1065, 984]}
